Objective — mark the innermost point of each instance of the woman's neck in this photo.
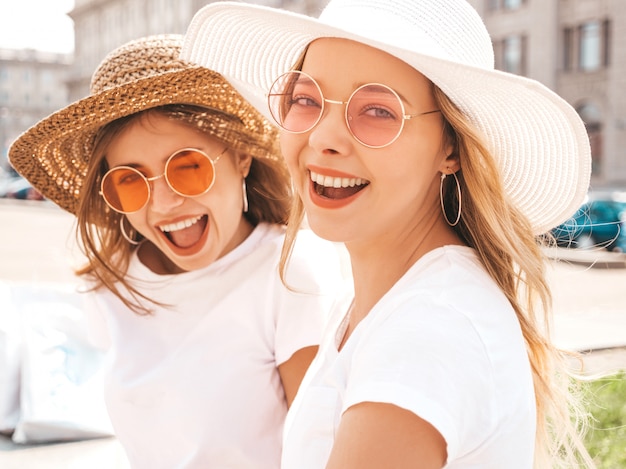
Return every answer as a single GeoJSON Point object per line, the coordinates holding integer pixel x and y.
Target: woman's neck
{"type": "Point", "coordinates": [154, 259]}
{"type": "Point", "coordinates": [377, 265]}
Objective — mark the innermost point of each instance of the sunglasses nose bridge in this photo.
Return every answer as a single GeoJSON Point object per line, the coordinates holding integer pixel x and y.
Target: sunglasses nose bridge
{"type": "Point", "coordinates": [154, 178]}
{"type": "Point", "coordinates": [162, 196]}
{"type": "Point", "coordinates": [339, 103]}
{"type": "Point", "coordinates": [150, 180]}
{"type": "Point", "coordinates": [332, 101]}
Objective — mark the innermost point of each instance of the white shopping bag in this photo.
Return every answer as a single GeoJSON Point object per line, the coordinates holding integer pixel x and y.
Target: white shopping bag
{"type": "Point", "coordinates": [61, 386]}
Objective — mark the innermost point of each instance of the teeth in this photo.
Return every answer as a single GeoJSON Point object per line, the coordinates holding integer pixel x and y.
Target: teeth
{"type": "Point", "coordinates": [329, 181]}
{"type": "Point", "coordinates": [181, 225]}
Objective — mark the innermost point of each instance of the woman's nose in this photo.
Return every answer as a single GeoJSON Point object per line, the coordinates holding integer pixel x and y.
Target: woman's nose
{"type": "Point", "coordinates": [331, 134]}
{"type": "Point", "coordinates": [163, 197]}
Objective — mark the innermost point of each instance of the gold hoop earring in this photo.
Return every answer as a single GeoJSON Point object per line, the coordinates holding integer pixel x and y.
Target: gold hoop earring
{"type": "Point", "coordinates": [458, 191]}
{"type": "Point", "coordinates": [125, 235]}
{"type": "Point", "coordinates": [245, 196]}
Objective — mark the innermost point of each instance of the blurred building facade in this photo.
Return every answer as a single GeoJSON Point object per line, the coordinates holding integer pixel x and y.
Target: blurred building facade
{"type": "Point", "coordinates": [102, 25]}
{"type": "Point", "coordinates": [574, 47]}
{"type": "Point", "coordinates": [32, 85]}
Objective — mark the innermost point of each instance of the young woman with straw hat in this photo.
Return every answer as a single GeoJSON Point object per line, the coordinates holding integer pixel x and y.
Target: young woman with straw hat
{"type": "Point", "coordinates": [181, 199]}
{"type": "Point", "coordinates": [440, 175]}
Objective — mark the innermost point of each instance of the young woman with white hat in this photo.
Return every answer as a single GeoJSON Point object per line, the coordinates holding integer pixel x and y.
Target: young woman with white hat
{"type": "Point", "coordinates": [441, 176]}
{"type": "Point", "coordinates": [181, 198]}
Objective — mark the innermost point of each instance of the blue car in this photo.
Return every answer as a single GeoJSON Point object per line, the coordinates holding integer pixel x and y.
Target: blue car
{"type": "Point", "coordinates": [598, 223]}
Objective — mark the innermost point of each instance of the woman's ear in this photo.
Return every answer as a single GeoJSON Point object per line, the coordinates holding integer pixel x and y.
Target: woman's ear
{"type": "Point", "coordinates": [451, 164]}
{"type": "Point", "coordinates": [244, 161]}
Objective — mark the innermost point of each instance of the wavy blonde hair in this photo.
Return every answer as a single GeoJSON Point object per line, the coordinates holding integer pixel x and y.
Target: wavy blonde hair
{"type": "Point", "coordinates": [512, 255]}
{"type": "Point", "coordinates": [98, 227]}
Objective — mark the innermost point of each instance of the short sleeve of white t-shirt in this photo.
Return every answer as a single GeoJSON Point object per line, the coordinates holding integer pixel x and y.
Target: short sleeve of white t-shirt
{"type": "Point", "coordinates": [314, 271]}
{"type": "Point", "coordinates": [445, 344]}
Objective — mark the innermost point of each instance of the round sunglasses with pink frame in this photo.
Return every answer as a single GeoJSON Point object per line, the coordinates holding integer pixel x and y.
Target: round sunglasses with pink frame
{"type": "Point", "coordinates": [374, 113]}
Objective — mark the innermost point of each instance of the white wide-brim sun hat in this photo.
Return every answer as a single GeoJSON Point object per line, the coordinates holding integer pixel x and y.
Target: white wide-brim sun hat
{"type": "Point", "coordinates": [539, 141]}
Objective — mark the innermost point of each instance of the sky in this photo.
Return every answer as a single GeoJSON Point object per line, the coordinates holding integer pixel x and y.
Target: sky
{"type": "Point", "coordinates": [37, 24]}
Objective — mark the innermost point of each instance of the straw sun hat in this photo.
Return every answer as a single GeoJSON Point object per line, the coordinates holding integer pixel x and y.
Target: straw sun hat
{"type": "Point", "coordinates": [53, 155]}
{"type": "Point", "coordinates": [538, 139]}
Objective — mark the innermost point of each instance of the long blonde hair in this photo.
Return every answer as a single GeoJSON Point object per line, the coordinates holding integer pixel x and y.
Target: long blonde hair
{"type": "Point", "coordinates": [512, 254]}
{"type": "Point", "coordinates": [98, 227]}
{"type": "Point", "coordinates": [504, 241]}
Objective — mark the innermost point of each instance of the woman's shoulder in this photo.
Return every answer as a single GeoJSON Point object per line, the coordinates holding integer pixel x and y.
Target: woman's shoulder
{"type": "Point", "coordinates": [449, 286]}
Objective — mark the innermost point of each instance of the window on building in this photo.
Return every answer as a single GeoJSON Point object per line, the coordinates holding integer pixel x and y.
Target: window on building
{"type": "Point", "coordinates": [606, 42]}
{"type": "Point", "coordinates": [592, 117]}
{"type": "Point", "coordinates": [497, 54]}
{"type": "Point", "coordinates": [568, 48]}
{"type": "Point", "coordinates": [512, 4]}
{"type": "Point", "coordinates": [587, 47]}
{"type": "Point", "coordinates": [514, 54]}
{"type": "Point", "coordinates": [496, 5]}
{"type": "Point", "coordinates": [590, 53]}
{"type": "Point", "coordinates": [47, 77]}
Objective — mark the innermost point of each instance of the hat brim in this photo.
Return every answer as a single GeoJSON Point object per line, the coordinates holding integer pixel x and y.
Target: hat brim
{"type": "Point", "coordinates": [53, 155]}
{"type": "Point", "coordinates": [539, 141]}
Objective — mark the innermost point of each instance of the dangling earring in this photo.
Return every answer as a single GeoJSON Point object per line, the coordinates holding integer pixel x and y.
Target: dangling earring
{"type": "Point", "coordinates": [458, 191]}
{"type": "Point", "coordinates": [125, 235]}
{"type": "Point", "coordinates": [245, 196]}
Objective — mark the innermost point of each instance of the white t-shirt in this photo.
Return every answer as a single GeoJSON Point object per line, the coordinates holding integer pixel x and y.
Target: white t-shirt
{"type": "Point", "coordinates": [445, 344]}
{"type": "Point", "coordinates": [196, 385]}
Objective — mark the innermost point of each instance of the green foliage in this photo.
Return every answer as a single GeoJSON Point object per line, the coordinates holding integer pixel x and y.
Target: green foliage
{"type": "Point", "coordinates": [606, 439]}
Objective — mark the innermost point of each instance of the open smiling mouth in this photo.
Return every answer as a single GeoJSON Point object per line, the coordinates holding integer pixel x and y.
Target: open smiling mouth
{"type": "Point", "coordinates": [336, 187]}
{"type": "Point", "coordinates": [186, 233]}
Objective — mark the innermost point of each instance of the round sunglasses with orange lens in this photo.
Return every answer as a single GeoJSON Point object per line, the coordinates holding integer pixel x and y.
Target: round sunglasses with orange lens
{"type": "Point", "coordinates": [189, 172]}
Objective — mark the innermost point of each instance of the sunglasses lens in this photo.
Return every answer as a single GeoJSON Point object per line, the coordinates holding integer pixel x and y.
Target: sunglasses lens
{"type": "Point", "coordinates": [125, 189]}
{"type": "Point", "coordinates": [295, 102]}
{"type": "Point", "coordinates": [375, 115]}
{"type": "Point", "coordinates": [190, 173]}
